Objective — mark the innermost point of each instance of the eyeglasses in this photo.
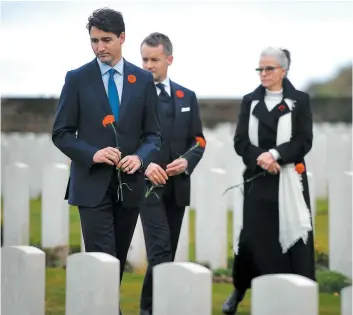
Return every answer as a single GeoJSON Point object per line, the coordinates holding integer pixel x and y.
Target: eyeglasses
{"type": "Point", "coordinates": [268, 69]}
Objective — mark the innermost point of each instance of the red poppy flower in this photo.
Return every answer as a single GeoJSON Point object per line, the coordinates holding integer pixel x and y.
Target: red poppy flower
{"type": "Point", "coordinates": [179, 94]}
{"type": "Point", "coordinates": [281, 107]}
{"type": "Point", "coordinates": [109, 119]}
{"type": "Point", "coordinates": [300, 168]}
{"type": "Point", "coordinates": [201, 141]}
{"type": "Point", "coordinates": [131, 78]}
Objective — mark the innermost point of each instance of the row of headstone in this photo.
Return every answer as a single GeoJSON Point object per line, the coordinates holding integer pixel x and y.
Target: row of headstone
{"type": "Point", "coordinates": [54, 212]}
{"type": "Point", "coordinates": [207, 188]}
{"type": "Point", "coordinates": [340, 222]}
{"type": "Point", "coordinates": [37, 151]}
{"type": "Point", "coordinates": [92, 287]}
{"type": "Point", "coordinates": [211, 223]}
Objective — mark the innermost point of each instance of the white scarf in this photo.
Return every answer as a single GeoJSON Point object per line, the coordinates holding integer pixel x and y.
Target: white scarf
{"type": "Point", "coordinates": [294, 215]}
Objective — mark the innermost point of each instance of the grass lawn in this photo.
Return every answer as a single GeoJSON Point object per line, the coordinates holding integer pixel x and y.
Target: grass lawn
{"type": "Point", "coordinates": [321, 227]}
{"type": "Point", "coordinates": [132, 282]}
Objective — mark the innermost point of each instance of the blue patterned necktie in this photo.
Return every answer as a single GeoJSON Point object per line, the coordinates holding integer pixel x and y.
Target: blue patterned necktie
{"type": "Point", "coordinates": [113, 94]}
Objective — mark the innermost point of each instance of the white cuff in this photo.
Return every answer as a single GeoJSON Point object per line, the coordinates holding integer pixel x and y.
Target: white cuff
{"type": "Point", "coordinates": [275, 154]}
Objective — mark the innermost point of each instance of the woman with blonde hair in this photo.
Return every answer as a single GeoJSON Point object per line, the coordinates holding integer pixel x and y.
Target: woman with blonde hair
{"type": "Point", "coordinates": [273, 135]}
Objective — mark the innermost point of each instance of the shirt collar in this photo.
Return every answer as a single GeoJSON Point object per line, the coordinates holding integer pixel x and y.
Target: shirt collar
{"type": "Point", "coordinates": [165, 82]}
{"type": "Point", "coordinates": [104, 68]}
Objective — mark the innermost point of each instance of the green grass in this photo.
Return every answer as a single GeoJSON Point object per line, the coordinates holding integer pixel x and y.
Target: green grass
{"type": "Point", "coordinates": [132, 282]}
{"type": "Point", "coordinates": [131, 289]}
{"type": "Point", "coordinates": [321, 226]}
{"type": "Point", "coordinates": [321, 222]}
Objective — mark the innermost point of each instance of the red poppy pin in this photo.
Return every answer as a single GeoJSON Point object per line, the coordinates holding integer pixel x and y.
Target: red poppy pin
{"type": "Point", "coordinates": [131, 78]}
{"type": "Point", "coordinates": [179, 94]}
{"type": "Point", "coordinates": [281, 107]}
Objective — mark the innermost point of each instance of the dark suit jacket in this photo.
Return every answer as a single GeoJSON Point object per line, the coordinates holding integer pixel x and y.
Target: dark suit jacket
{"type": "Point", "coordinates": [82, 106]}
{"type": "Point", "coordinates": [186, 127]}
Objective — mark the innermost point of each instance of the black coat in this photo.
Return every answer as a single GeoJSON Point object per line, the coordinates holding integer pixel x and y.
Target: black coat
{"type": "Point", "coordinates": [259, 248]}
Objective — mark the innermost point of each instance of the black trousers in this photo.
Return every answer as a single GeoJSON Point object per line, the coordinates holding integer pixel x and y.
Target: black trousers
{"type": "Point", "coordinates": [161, 221]}
{"type": "Point", "coordinates": [109, 227]}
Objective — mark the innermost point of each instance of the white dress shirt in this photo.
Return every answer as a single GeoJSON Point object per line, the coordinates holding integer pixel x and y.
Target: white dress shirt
{"type": "Point", "coordinates": [166, 83]}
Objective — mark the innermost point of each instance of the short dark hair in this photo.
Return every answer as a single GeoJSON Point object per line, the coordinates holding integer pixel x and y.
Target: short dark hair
{"type": "Point", "coordinates": [107, 20]}
{"type": "Point", "coordinates": [156, 39]}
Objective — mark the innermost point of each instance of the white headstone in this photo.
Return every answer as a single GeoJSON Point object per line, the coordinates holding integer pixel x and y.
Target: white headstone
{"type": "Point", "coordinates": [16, 152]}
{"type": "Point", "coordinates": [16, 204]}
{"type": "Point", "coordinates": [22, 280]}
{"type": "Point", "coordinates": [238, 204]}
{"type": "Point", "coordinates": [5, 158]}
{"type": "Point", "coordinates": [346, 301]}
{"type": "Point", "coordinates": [57, 156]}
{"type": "Point", "coordinates": [182, 288]}
{"type": "Point", "coordinates": [311, 183]}
{"type": "Point", "coordinates": [316, 162]}
{"type": "Point", "coordinates": [36, 158]}
{"type": "Point", "coordinates": [195, 177]}
{"type": "Point", "coordinates": [182, 253]}
{"type": "Point", "coordinates": [55, 210]}
{"type": "Point", "coordinates": [137, 252]}
{"type": "Point", "coordinates": [284, 294]}
{"type": "Point", "coordinates": [234, 167]}
{"type": "Point", "coordinates": [83, 249]}
{"type": "Point", "coordinates": [340, 224]}
{"type": "Point", "coordinates": [92, 284]}
{"type": "Point", "coordinates": [211, 159]}
{"type": "Point", "coordinates": [211, 221]}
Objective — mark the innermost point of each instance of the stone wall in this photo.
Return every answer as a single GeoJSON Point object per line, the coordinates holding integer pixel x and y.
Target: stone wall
{"type": "Point", "coordinates": [37, 114]}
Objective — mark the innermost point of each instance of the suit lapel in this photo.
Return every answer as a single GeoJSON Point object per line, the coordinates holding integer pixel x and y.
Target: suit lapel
{"type": "Point", "coordinates": [128, 87]}
{"type": "Point", "coordinates": [280, 110]}
{"type": "Point", "coordinates": [178, 103]}
{"type": "Point", "coordinates": [97, 84]}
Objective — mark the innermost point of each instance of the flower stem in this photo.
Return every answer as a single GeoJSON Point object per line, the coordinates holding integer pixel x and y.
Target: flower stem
{"type": "Point", "coordinates": [195, 146]}
{"type": "Point", "coordinates": [115, 134]}
{"type": "Point", "coordinates": [246, 181]}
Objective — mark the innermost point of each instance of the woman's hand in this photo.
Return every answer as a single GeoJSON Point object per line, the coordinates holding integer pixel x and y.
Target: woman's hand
{"type": "Point", "coordinates": [274, 168]}
{"type": "Point", "coordinates": [265, 160]}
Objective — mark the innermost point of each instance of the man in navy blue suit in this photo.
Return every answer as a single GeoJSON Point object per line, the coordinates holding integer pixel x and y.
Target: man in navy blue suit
{"type": "Point", "coordinates": [108, 85]}
{"type": "Point", "coordinates": [180, 122]}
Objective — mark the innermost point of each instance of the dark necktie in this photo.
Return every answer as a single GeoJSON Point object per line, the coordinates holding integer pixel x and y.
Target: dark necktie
{"type": "Point", "coordinates": [113, 94]}
{"type": "Point", "coordinates": [163, 96]}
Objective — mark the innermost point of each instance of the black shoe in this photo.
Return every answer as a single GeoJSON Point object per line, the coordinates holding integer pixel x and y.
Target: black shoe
{"type": "Point", "coordinates": [145, 312]}
{"type": "Point", "coordinates": [230, 306]}
{"type": "Point", "coordinates": [120, 313]}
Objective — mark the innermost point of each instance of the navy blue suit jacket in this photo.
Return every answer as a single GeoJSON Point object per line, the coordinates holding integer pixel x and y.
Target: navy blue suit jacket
{"type": "Point", "coordinates": [79, 133]}
{"type": "Point", "coordinates": [186, 127]}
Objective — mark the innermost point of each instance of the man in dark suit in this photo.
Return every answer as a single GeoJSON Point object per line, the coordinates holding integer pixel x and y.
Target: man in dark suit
{"type": "Point", "coordinates": [180, 123]}
{"type": "Point", "coordinates": [108, 85]}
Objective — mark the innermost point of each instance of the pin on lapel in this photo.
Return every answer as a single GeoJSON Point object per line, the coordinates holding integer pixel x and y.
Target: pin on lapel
{"type": "Point", "coordinates": [281, 107]}
{"type": "Point", "coordinates": [179, 94]}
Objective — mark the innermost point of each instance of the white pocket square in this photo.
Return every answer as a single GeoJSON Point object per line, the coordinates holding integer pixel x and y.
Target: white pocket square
{"type": "Point", "coordinates": [185, 109]}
